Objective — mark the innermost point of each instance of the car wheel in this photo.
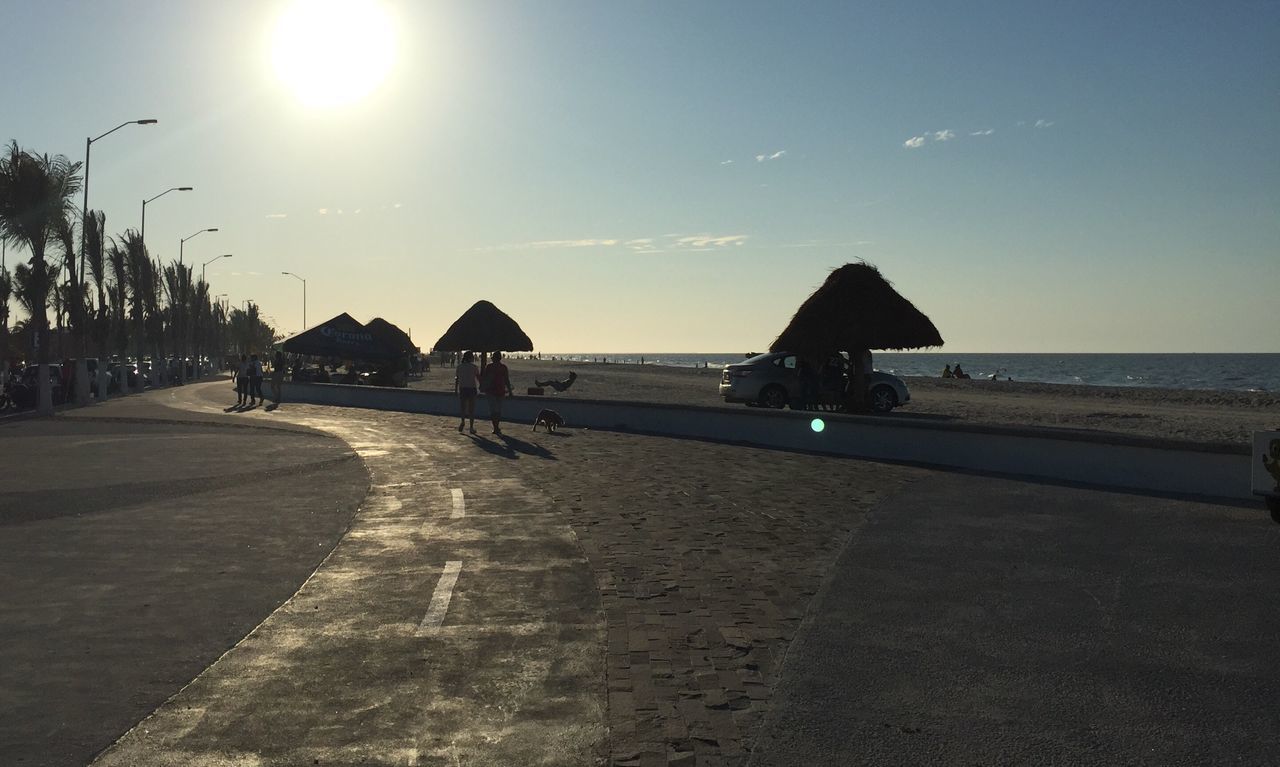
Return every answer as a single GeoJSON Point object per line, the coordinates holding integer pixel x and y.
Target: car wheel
{"type": "Point", "coordinates": [883, 399]}
{"type": "Point", "coordinates": [775, 397]}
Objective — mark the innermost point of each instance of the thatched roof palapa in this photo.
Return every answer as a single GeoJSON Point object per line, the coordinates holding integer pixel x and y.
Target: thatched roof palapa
{"type": "Point", "coordinates": [855, 309]}
{"type": "Point", "coordinates": [342, 336]}
{"type": "Point", "coordinates": [391, 335]}
{"type": "Point", "coordinates": [484, 327]}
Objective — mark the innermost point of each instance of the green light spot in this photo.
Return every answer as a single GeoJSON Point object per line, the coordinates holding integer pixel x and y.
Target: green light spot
{"type": "Point", "coordinates": [817, 425]}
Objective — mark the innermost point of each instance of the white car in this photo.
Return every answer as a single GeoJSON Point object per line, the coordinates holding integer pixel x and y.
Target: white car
{"type": "Point", "coordinates": [773, 380]}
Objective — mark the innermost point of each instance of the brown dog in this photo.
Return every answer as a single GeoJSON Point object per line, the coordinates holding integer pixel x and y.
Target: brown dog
{"type": "Point", "coordinates": [548, 418]}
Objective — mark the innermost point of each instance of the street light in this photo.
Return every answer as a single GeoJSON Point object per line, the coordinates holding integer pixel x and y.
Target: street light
{"type": "Point", "coordinates": [304, 297]}
{"type": "Point", "coordinates": [183, 241]}
{"type": "Point", "coordinates": [143, 233]}
{"type": "Point", "coordinates": [210, 261]}
{"type": "Point", "coordinates": [84, 206]}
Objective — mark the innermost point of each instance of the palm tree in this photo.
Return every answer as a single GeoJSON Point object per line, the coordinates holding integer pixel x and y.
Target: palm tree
{"type": "Point", "coordinates": [118, 330]}
{"type": "Point", "coordinates": [35, 194]}
{"type": "Point", "coordinates": [6, 293]}
{"type": "Point", "coordinates": [95, 227]}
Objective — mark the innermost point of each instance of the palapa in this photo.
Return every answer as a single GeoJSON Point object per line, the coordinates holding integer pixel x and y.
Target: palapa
{"type": "Point", "coordinates": [484, 327]}
{"type": "Point", "coordinates": [856, 309]}
{"type": "Point", "coordinates": [391, 335]}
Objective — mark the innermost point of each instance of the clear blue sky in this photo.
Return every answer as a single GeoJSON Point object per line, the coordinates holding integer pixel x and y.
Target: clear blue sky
{"type": "Point", "coordinates": [673, 176]}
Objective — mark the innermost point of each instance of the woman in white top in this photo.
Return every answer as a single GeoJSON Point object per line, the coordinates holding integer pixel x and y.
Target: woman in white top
{"type": "Point", "coordinates": [466, 382]}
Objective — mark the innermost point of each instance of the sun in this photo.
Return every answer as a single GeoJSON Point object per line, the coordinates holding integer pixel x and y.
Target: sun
{"type": "Point", "coordinates": [333, 52]}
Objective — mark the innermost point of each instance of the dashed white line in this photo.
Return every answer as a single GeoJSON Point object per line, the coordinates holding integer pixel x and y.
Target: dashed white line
{"type": "Point", "coordinates": [440, 599]}
{"type": "Point", "coordinates": [459, 504]}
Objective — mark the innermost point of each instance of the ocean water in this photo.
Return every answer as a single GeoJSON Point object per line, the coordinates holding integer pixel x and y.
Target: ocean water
{"type": "Point", "coordinates": [1234, 372]}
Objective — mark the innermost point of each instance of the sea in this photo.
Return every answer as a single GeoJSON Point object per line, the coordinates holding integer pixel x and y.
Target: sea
{"type": "Point", "coordinates": [1229, 372]}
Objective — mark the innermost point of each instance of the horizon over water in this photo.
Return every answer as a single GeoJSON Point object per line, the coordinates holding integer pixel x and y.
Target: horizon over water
{"type": "Point", "coordinates": [1185, 370]}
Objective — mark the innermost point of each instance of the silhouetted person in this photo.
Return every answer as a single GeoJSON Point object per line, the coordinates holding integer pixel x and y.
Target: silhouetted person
{"type": "Point", "coordinates": [255, 381]}
{"type": "Point", "coordinates": [277, 376]}
{"type": "Point", "coordinates": [559, 385]}
{"type": "Point", "coordinates": [466, 383]}
{"type": "Point", "coordinates": [946, 372]}
{"type": "Point", "coordinates": [497, 387]}
{"type": "Point", "coordinates": [242, 381]}
{"type": "Point", "coordinates": [960, 373]}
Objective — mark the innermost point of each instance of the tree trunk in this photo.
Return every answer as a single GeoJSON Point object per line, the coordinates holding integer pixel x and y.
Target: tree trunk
{"type": "Point", "coordinates": [858, 401]}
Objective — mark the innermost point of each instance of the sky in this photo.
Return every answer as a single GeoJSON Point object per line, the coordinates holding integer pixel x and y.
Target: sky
{"type": "Point", "coordinates": [680, 176]}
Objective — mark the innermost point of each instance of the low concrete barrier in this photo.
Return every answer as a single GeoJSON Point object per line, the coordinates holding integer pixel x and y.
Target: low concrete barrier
{"type": "Point", "coordinates": [1164, 466]}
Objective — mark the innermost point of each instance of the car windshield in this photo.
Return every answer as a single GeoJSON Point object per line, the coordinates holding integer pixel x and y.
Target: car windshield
{"type": "Point", "coordinates": [758, 358]}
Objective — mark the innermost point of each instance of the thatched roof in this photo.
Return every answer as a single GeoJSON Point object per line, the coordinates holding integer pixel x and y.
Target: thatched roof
{"type": "Point", "coordinates": [484, 327]}
{"type": "Point", "coordinates": [391, 335]}
{"type": "Point", "coordinates": [856, 308]}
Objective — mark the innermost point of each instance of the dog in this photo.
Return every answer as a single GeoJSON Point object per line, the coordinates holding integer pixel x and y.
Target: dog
{"type": "Point", "coordinates": [548, 418]}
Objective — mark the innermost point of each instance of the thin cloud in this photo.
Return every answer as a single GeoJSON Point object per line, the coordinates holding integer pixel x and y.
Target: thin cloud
{"type": "Point", "coordinates": [726, 162]}
{"type": "Point", "coordinates": [944, 135]}
{"type": "Point", "coordinates": [915, 142]}
{"type": "Point", "coordinates": [1044, 123]}
{"type": "Point", "coordinates": [706, 240]}
{"type": "Point", "coordinates": [323, 211]}
{"type": "Point", "coordinates": [986, 132]}
{"type": "Point", "coordinates": [775, 156]}
{"type": "Point", "coordinates": [277, 215]}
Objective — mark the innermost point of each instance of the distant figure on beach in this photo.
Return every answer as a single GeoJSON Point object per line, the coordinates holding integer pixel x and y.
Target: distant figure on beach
{"type": "Point", "coordinates": [946, 372]}
{"type": "Point", "coordinates": [466, 382]}
{"type": "Point", "coordinates": [242, 381]}
{"type": "Point", "coordinates": [497, 386]}
{"type": "Point", "coordinates": [277, 376]}
{"type": "Point", "coordinates": [960, 373]}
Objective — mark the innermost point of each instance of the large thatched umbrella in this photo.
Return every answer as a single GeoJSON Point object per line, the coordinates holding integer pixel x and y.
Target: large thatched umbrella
{"type": "Point", "coordinates": [484, 327]}
{"type": "Point", "coordinates": [854, 311]}
{"type": "Point", "coordinates": [391, 335]}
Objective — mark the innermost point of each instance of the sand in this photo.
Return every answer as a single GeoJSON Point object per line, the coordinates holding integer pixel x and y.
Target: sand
{"type": "Point", "coordinates": [1216, 417]}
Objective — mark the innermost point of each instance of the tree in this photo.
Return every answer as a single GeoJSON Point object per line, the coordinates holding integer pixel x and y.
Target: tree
{"type": "Point", "coordinates": [36, 193]}
{"type": "Point", "coordinates": [95, 227]}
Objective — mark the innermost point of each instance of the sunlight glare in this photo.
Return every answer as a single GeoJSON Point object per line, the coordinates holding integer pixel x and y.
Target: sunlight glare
{"type": "Point", "coordinates": [333, 52]}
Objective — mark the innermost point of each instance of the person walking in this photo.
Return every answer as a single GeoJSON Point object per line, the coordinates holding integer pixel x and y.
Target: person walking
{"type": "Point", "coordinates": [497, 386]}
{"type": "Point", "coordinates": [255, 381]}
{"type": "Point", "coordinates": [466, 382]}
{"type": "Point", "coordinates": [277, 376]}
{"type": "Point", "coordinates": [242, 381]}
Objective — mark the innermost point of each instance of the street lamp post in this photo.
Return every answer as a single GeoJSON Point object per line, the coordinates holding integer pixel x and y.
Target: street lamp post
{"type": "Point", "coordinates": [142, 235]}
{"type": "Point", "coordinates": [183, 241]}
{"type": "Point", "coordinates": [202, 266]}
{"type": "Point", "coordinates": [82, 368]}
{"type": "Point", "coordinates": [304, 297]}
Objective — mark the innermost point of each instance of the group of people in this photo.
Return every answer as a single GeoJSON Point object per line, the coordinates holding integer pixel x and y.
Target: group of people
{"type": "Point", "coordinates": [248, 378]}
{"type": "Point", "coordinates": [947, 372]}
{"type": "Point", "coordinates": [470, 380]}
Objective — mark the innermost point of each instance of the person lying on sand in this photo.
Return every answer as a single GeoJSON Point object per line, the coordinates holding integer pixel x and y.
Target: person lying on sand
{"type": "Point", "coordinates": [558, 385]}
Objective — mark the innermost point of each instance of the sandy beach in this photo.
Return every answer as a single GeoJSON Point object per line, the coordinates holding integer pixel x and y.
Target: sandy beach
{"type": "Point", "coordinates": [1218, 417]}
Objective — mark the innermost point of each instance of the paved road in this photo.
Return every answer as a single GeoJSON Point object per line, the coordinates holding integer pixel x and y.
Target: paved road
{"type": "Point", "coordinates": [134, 553]}
{"type": "Point", "coordinates": [985, 621]}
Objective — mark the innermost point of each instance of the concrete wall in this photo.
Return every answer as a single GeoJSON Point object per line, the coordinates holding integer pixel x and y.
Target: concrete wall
{"type": "Point", "coordinates": [1109, 460]}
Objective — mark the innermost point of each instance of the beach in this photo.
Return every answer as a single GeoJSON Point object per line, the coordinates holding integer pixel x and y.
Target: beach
{"type": "Point", "coordinates": [1204, 416]}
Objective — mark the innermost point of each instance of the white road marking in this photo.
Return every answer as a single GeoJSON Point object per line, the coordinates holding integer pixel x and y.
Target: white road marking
{"type": "Point", "coordinates": [416, 449]}
{"type": "Point", "coordinates": [440, 599]}
{"type": "Point", "coordinates": [459, 504]}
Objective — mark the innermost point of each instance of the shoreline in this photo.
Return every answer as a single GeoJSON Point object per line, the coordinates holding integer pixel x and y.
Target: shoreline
{"type": "Point", "coordinates": [1191, 415]}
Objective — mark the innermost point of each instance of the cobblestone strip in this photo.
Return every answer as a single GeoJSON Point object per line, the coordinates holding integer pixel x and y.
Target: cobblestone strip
{"type": "Point", "coordinates": [706, 569]}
